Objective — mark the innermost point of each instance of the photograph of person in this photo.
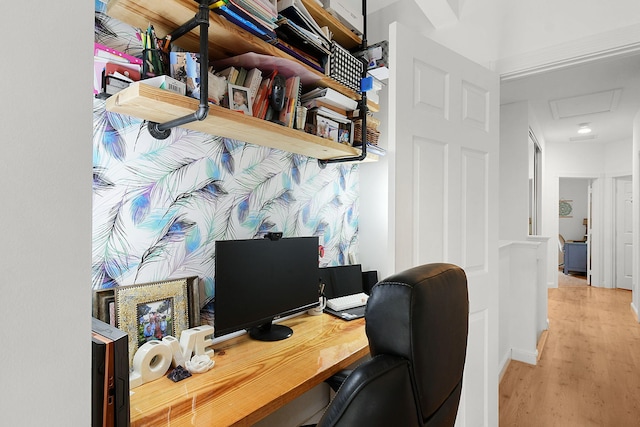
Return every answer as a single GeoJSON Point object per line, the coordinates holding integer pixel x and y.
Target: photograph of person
{"type": "Point", "coordinates": [239, 99]}
{"type": "Point", "coordinates": [155, 320]}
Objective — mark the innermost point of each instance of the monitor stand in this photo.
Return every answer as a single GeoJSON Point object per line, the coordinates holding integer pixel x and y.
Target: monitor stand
{"type": "Point", "coordinates": [270, 332]}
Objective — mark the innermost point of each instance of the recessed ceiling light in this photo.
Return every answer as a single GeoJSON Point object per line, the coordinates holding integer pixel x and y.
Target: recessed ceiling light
{"type": "Point", "coordinates": [584, 129]}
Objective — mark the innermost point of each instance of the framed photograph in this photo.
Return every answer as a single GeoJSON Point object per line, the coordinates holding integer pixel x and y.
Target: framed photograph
{"type": "Point", "coordinates": [326, 128]}
{"type": "Point", "coordinates": [104, 307]}
{"type": "Point", "coordinates": [161, 308]}
{"type": "Point", "coordinates": [239, 99]}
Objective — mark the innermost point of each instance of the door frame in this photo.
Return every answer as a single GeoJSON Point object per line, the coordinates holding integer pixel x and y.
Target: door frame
{"type": "Point", "coordinates": [596, 263]}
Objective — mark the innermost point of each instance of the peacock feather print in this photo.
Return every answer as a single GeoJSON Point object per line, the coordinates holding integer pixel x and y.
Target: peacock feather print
{"type": "Point", "coordinates": [160, 206]}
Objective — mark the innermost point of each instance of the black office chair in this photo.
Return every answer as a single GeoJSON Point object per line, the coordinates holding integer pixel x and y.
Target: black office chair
{"type": "Point", "coordinates": [417, 325]}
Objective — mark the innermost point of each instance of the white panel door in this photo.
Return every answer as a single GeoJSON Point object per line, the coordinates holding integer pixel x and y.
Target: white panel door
{"type": "Point", "coordinates": [624, 233]}
{"type": "Point", "coordinates": [444, 109]}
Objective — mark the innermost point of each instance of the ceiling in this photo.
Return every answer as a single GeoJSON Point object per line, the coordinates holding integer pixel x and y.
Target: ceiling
{"type": "Point", "coordinates": [604, 93]}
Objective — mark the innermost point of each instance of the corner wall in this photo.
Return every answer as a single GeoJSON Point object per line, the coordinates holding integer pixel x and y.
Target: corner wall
{"type": "Point", "coordinates": [45, 186]}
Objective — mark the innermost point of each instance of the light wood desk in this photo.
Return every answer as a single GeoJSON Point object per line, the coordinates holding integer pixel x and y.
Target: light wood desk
{"type": "Point", "coordinates": [251, 378]}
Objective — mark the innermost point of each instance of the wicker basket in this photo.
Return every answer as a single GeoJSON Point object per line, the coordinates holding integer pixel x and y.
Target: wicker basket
{"type": "Point", "coordinates": [372, 133]}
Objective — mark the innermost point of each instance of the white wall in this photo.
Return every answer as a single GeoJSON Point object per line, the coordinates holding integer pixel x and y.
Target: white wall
{"type": "Point", "coordinates": [45, 182]}
{"type": "Point", "coordinates": [514, 171]}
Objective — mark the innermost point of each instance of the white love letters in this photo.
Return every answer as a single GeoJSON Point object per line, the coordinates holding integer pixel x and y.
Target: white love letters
{"type": "Point", "coordinates": [153, 358]}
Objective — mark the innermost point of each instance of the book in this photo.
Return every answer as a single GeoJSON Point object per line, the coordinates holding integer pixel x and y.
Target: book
{"type": "Point", "coordinates": [261, 13]}
{"type": "Point", "coordinates": [228, 72]}
{"type": "Point", "coordinates": [269, 4]}
{"type": "Point", "coordinates": [331, 97]}
{"type": "Point", "coordinates": [303, 39]}
{"type": "Point", "coordinates": [286, 48]}
{"type": "Point", "coordinates": [261, 103]}
{"type": "Point", "coordinates": [315, 102]}
{"type": "Point", "coordinates": [242, 75]}
{"type": "Point", "coordinates": [324, 111]}
{"type": "Point", "coordinates": [287, 114]}
{"type": "Point", "coordinates": [252, 81]}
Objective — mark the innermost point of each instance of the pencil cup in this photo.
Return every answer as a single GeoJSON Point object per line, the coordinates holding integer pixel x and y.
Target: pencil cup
{"type": "Point", "coordinates": [301, 117]}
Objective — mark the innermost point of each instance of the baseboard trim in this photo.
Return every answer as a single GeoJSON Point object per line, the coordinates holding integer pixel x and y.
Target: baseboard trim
{"type": "Point", "coordinates": [635, 311]}
{"type": "Point", "coordinates": [504, 364]}
{"type": "Point", "coordinates": [530, 357]}
{"type": "Point", "coordinates": [541, 343]}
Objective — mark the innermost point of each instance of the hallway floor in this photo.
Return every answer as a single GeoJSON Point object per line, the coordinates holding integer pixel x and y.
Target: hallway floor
{"type": "Point", "coordinates": [567, 280]}
{"type": "Point", "coordinates": [589, 370]}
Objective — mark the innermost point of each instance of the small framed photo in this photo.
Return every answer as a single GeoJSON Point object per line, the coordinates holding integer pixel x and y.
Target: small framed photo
{"type": "Point", "coordinates": [326, 128]}
{"type": "Point", "coordinates": [239, 99]}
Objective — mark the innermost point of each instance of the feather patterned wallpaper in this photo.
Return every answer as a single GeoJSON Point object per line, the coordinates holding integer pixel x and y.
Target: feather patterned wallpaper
{"type": "Point", "coordinates": [159, 205]}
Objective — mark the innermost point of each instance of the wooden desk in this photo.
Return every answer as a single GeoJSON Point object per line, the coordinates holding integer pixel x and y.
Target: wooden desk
{"type": "Point", "coordinates": [251, 378]}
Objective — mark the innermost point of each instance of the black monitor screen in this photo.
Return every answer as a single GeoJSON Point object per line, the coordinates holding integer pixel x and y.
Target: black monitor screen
{"type": "Point", "coordinates": [341, 280]}
{"type": "Point", "coordinates": [261, 279]}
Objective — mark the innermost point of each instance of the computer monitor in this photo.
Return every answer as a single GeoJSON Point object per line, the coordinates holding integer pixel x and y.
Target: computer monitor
{"type": "Point", "coordinates": [259, 280]}
{"type": "Point", "coordinates": [341, 280]}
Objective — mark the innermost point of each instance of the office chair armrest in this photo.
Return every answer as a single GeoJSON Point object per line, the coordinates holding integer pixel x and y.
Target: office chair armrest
{"type": "Point", "coordinates": [336, 381]}
{"type": "Point", "coordinates": [377, 393]}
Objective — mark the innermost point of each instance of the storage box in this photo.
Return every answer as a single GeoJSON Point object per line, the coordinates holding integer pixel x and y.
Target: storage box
{"type": "Point", "coordinates": [344, 67]}
{"type": "Point", "coordinates": [167, 83]}
{"type": "Point", "coordinates": [349, 12]}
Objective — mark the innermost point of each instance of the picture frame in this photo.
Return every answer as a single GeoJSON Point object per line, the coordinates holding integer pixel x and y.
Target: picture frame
{"type": "Point", "coordinates": [326, 128]}
{"type": "Point", "coordinates": [239, 99]}
{"type": "Point", "coordinates": [134, 305]}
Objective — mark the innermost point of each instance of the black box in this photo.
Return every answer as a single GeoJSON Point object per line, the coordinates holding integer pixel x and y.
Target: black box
{"type": "Point", "coordinates": [109, 376]}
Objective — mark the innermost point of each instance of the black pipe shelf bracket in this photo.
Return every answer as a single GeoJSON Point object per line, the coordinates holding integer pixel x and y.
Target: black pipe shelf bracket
{"type": "Point", "coordinates": [201, 19]}
{"type": "Point", "coordinates": [364, 109]}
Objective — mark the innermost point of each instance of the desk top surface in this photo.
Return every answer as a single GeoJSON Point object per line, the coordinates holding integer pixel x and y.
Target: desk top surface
{"type": "Point", "coordinates": [251, 378]}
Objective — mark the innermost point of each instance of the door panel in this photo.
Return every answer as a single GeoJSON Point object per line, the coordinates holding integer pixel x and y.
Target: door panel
{"type": "Point", "coordinates": [446, 190]}
{"type": "Point", "coordinates": [430, 181]}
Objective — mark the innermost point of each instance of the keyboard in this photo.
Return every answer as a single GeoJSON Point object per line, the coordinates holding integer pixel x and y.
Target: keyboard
{"type": "Point", "coordinates": [348, 301]}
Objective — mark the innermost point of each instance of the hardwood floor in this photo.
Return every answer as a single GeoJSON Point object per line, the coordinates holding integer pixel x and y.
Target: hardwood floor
{"type": "Point", "coordinates": [589, 370]}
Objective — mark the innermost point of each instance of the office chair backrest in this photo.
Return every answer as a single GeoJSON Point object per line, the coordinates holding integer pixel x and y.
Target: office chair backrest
{"type": "Point", "coordinates": [417, 325]}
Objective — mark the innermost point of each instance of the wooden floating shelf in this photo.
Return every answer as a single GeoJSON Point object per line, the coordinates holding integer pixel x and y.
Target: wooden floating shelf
{"type": "Point", "coordinates": [159, 105]}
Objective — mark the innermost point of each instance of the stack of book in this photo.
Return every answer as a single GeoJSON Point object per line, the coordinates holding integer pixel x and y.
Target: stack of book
{"type": "Point", "coordinates": [300, 36]}
{"type": "Point", "coordinates": [328, 114]}
{"type": "Point", "coordinates": [258, 17]}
